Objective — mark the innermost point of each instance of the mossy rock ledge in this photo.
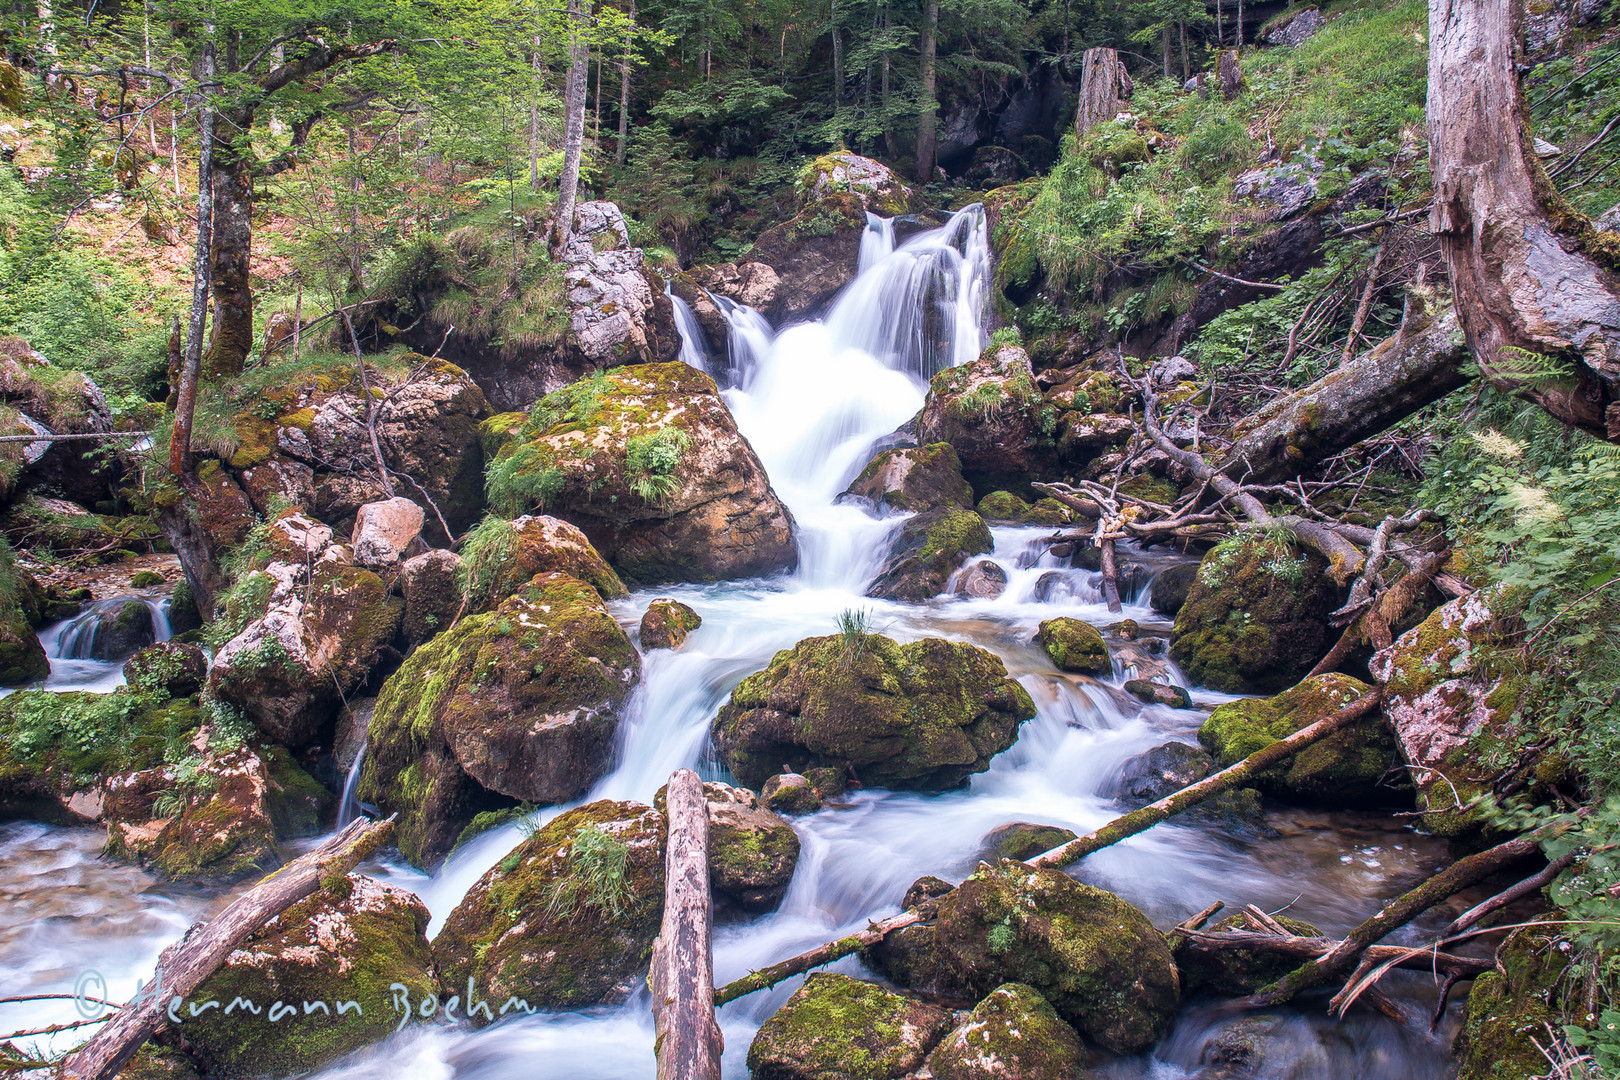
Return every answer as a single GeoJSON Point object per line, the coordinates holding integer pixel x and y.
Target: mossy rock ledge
{"type": "Point", "coordinates": [538, 544]}
{"type": "Point", "coordinates": [1075, 646]}
{"type": "Point", "coordinates": [990, 410]}
{"type": "Point", "coordinates": [926, 551]}
{"type": "Point", "coordinates": [915, 478]}
{"type": "Point", "coordinates": [1510, 1009]}
{"type": "Point", "coordinates": [838, 1028]}
{"type": "Point", "coordinates": [1015, 1033]}
{"type": "Point", "coordinates": [648, 462]}
{"type": "Point", "coordinates": [517, 704]}
{"type": "Point", "coordinates": [923, 716]}
{"type": "Point", "coordinates": [1348, 768]}
{"type": "Point", "coordinates": [347, 943]}
{"type": "Point", "coordinates": [1094, 957]}
{"type": "Point", "coordinates": [567, 919]}
{"type": "Point", "coordinates": [1256, 617]}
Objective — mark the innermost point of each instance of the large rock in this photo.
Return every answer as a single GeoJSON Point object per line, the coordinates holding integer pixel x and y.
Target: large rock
{"type": "Point", "coordinates": [1450, 707]}
{"type": "Point", "coordinates": [1170, 588]}
{"type": "Point", "coordinates": [924, 716]}
{"type": "Point", "coordinates": [1510, 1009]}
{"type": "Point", "coordinates": [1073, 645]}
{"type": "Point", "coordinates": [873, 183]}
{"type": "Point", "coordinates": [384, 531]}
{"type": "Point", "coordinates": [752, 851]}
{"type": "Point", "coordinates": [1097, 959]}
{"type": "Point", "coordinates": [356, 941]}
{"type": "Point", "coordinates": [1294, 27]}
{"type": "Point", "coordinates": [568, 918]}
{"type": "Point", "coordinates": [39, 398]}
{"type": "Point", "coordinates": [1345, 769]}
{"type": "Point", "coordinates": [618, 313]}
{"type": "Point", "coordinates": [926, 551]}
{"type": "Point", "coordinates": [1013, 1034]}
{"type": "Point", "coordinates": [1171, 766]}
{"type": "Point", "coordinates": [1256, 618]}
{"type": "Point", "coordinates": [648, 462]}
{"type": "Point", "coordinates": [814, 255]}
{"type": "Point", "coordinates": [112, 630]}
{"type": "Point", "coordinates": [915, 478]}
{"type": "Point", "coordinates": [1022, 840]}
{"type": "Point", "coordinates": [752, 283]}
{"type": "Point", "coordinates": [838, 1028]}
{"type": "Point", "coordinates": [990, 410]}
{"type": "Point", "coordinates": [431, 585]}
{"type": "Point", "coordinates": [323, 628]}
{"type": "Point", "coordinates": [501, 557]}
{"type": "Point", "coordinates": [520, 703]}
{"type": "Point", "coordinates": [910, 957]}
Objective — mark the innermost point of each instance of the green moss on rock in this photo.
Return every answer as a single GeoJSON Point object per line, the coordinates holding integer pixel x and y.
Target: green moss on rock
{"type": "Point", "coordinates": [1022, 840]}
{"type": "Point", "coordinates": [838, 1028]}
{"type": "Point", "coordinates": [915, 479]}
{"type": "Point", "coordinates": [1236, 972]}
{"type": "Point", "coordinates": [666, 624]}
{"type": "Point", "coordinates": [1074, 646]}
{"type": "Point", "coordinates": [1510, 1009]}
{"type": "Point", "coordinates": [927, 550]}
{"type": "Point", "coordinates": [1014, 1033]}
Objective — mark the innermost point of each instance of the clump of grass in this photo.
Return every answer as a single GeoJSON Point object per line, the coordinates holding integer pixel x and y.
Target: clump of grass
{"type": "Point", "coordinates": [595, 878]}
{"type": "Point", "coordinates": [650, 461]}
{"type": "Point", "coordinates": [854, 624]}
{"type": "Point", "coordinates": [484, 554]}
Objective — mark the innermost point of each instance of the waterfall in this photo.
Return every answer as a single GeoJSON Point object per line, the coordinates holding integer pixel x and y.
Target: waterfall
{"type": "Point", "coordinates": [348, 805]}
{"type": "Point", "coordinates": [749, 340]}
{"type": "Point", "coordinates": [102, 632]}
{"type": "Point", "coordinates": [877, 242]}
{"type": "Point", "coordinates": [693, 351]}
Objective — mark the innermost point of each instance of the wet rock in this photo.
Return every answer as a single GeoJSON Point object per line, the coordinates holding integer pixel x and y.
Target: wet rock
{"type": "Point", "coordinates": [1095, 958]}
{"type": "Point", "coordinates": [567, 919]}
{"type": "Point", "coordinates": [984, 579]}
{"type": "Point", "coordinates": [661, 481]}
{"type": "Point", "coordinates": [838, 1028]}
{"type": "Point", "coordinates": [1170, 588]}
{"type": "Point", "coordinates": [830, 783]}
{"type": "Point", "coordinates": [716, 340]}
{"type": "Point", "coordinates": [384, 532]}
{"type": "Point", "coordinates": [1056, 586]}
{"type": "Point", "coordinates": [917, 478]}
{"type": "Point", "coordinates": [814, 255]}
{"type": "Point", "coordinates": [346, 943]}
{"type": "Point", "coordinates": [169, 668]}
{"type": "Point", "coordinates": [431, 585]}
{"type": "Point", "coordinates": [872, 182]}
{"type": "Point", "coordinates": [1013, 1034]}
{"type": "Point", "coordinates": [1158, 693]}
{"type": "Point", "coordinates": [520, 703]}
{"type": "Point", "coordinates": [1074, 646]}
{"type": "Point", "coordinates": [1005, 506]}
{"type": "Point", "coordinates": [666, 624]}
{"type": "Point", "coordinates": [924, 716]}
{"type": "Point", "coordinates": [1444, 699]}
{"type": "Point", "coordinates": [1345, 769]}
{"type": "Point", "coordinates": [1237, 972]}
{"type": "Point", "coordinates": [113, 631]}
{"type": "Point", "coordinates": [791, 793]}
{"type": "Point", "coordinates": [926, 551]}
{"type": "Point", "coordinates": [499, 561]}
{"type": "Point", "coordinates": [1256, 617]}
{"type": "Point", "coordinates": [910, 957]}
{"type": "Point", "coordinates": [1168, 768]}
{"type": "Point", "coordinates": [991, 412]}
{"type": "Point", "coordinates": [754, 284]}
{"type": "Point", "coordinates": [349, 736]}
{"type": "Point", "coordinates": [752, 851]}
{"type": "Point", "coordinates": [1022, 840]}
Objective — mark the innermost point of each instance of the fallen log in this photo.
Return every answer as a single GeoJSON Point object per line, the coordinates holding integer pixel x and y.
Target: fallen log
{"type": "Point", "coordinates": [184, 965]}
{"type": "Point", "coordinates": [1533, 883]}
{"type": "Point", "coordinates": [1230, 777]}
{"type": "Point", "coordinates": [688, 1043]}
{"type": "Point", "coordinates": [820, 956]}
{"type": "Point", "coordinates": [1309, 948]}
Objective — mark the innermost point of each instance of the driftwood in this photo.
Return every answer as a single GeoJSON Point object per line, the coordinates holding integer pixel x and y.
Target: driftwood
{"type": "Point", "coordinates": [1309, 948]}
{"type": "Point", "coordinates": [1533, 883]}
{"type": "Point", "coordinates": [688, 1042]}
{"type": "Point", "coordinates": [184, 965]}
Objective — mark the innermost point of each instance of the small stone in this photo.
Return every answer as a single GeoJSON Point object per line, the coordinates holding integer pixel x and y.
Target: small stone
{"type": "Point", "coordinates": [791, 793]}
{"type": "Point", "coordinates": [1073, 645]}
{"type": "Point", "coordinates": [666, 624]}
{"type": "Point", "coordinates": [983, 580]}
{"type": "Point", "coordinates": [145, 579]}
{"type": "Point", "coordinates": [1022, 840]}
{"type": "Point", "coordinates": [830, 782]}
{"type": "Point", "coordinates": [384, 530]}
{"type": "Point", "coordinates": [1158, 693]}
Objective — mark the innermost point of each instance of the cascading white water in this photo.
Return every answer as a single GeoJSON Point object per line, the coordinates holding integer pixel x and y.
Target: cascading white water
{"type": "Point", "coordinates": [692, 349]}
{"type": "Point", "coordinates": [749, 340]}
{"type": "Point", "coordinates": [877, 242]}
{"type": "Point", "coordinates": [76, 646]}
{"type": "Point", "coordinates": [348, 805]}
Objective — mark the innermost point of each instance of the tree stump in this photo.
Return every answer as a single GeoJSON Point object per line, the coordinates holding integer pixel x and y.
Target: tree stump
{"type": "Point", "coordinates": [1104, 86]}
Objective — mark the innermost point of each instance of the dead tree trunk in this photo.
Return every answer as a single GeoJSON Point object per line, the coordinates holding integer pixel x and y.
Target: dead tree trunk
{"type": "Point", "coordinates": [682, 978]}
{"type": "Point", "coordinates": [574, 132]}
{"type": "Point", "coordinates": [188, 962]}
{"type": "Point", "coordinates": [1104, 86]}
{"type": "Point", "coordinates": [1229, 69]}
{"type": "Point", "coordinates": [820, 956]}
{"type": "Point", "coordinates": [1535, 287]}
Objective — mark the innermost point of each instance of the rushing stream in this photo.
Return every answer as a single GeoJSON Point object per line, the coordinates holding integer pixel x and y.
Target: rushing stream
{"type": "Point", "coordinates": [813, 400]}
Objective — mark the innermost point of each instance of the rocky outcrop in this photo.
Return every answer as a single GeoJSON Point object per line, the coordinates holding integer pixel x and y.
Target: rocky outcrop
{"type": "Point", "coordinates": [918, 478]}
{"type": "Point", "coordinates": [169, 668]}
{"type": "Point", "coordinates": [1013, 1034]}
{"type": "Point", "coordinates": [520, 703]}
{"type": "Point", "coordinates": [814, 255]}
{"type": "Point", "coordinates": [39, 398]}
{"type": "Point", "coordinates": [921, 716]}
{"type": "Point", "coordinates": [926, 551]}
{"type": "Point", "coordinates": [873, 183]}
{"type": "Point", "coordinates": [567, 919]}
{"type": "Point", "coordinates": [355, 941]}
{"type": "Point", "coordinates": [1256, 617]}
{"type": "Point", "coordinates": [501, 557]}
{"type": "Point", "coordinates": [838, 1028]}
{"type": "Point", "coordinates": [1073, 645]}
{"type": "Point", "coordinates": [666, 624]}
{"type": "Point", "coordinates": [648, 462]}
{"type": "Point", "coordinates": [1004, 431]}
{"type": "Point", "coordinates": [1095, 958]}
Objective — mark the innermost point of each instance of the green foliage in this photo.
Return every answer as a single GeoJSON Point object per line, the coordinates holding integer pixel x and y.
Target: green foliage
{"type": "Point", "coordinates": [595, 879]}
{"type": "Point", "coordinates": [650, 461]}
{"type": "Point", "coordinates": [854, 624]}
{"type": "Point", "coordinates": [485, 552]}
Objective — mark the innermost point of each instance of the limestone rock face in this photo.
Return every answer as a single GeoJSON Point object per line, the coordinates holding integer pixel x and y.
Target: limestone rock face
{"type": "Point", "coordinates": [383, 531]}
{"type": "Point", "coordinates": [666, 624]}
{"type": "Point", "coordinates": [1003, 430]}
{"type": "Point", "coordinates": [922, 716]}
{"type": "Point", "coordinates": [648, 462]}
{"type": "Point", "coordinates": [838, 1028]}
{"type": "Point", "coordinates": [1013, 1034]}
{"type": "Point", "coordinates": [567, 919]}
{"type": "Point", "coordinates": [752, 283]}
{"type": "Point", "coordinates": [346, 943]}
{"type": "Point", "coordinates": [926, 551]}
{"type": "Point", "coordinates": [619, 313]}
{"type": "Point", "coordinates": [520, 703]}
{"type": "Point", "coordinates": [915, 478]}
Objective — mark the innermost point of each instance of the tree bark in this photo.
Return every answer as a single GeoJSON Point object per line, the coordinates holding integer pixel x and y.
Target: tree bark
{"type": "Point", "coordinates": [838, 56]}
{"type": "Point", "coordinates": [231, 254]}
{"type": "Point", "coordinates": [688, 1042]}
{"type": "Point", "coordinates": [185, 965]}
{"type": "Point", "coordinates": [1534, 282]}
{"type": "Point", "coordinates": [574, 135]}
{"type": "Point", "coordinates": [1230, 71]}
{"type": "Point", "coordinates": [1104, 86]}
{"type": "Point", "coordinates": [623, 146]}
{"type": "Point", "coordinates": [201, 279]}
{"type": "Point", "coordinates": [927, 117]}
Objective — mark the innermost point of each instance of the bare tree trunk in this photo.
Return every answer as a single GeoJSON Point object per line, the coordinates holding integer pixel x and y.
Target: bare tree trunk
{"type": "Point", "coordinates": [534, 118]}
{"type": "Point", "coordinates": [623, 146]}
{"type": "Point", "coordinates": [1240, 26]}
{"type": "Point", "coordinates": [1164, 41]}
{"type": "Point", "coordinates": [687, 1042]}
{"type": "Point", "coordinates": [1186, 67]}
{"type": "Point", "coordinates": [574, 136]}
{"type": "Point", "coordinates": [888, 130]}
{"type": "Point", "coordinates": [596, 116]}
{"type": "Point", "coordinates": [1104, 86]}
{"type": "Point", "coordinates": [1220, 28]}
{"type": "Point", "coordinates": [191, 364]}
{"type": "Point", "coordinates": [838, 55]}
{"type": "Point", "coordinates": [1535, 285]}
{"type": "Point", "coordinates": [1230, 72]}
{"type": "Point", "coordinates": [47, 40]}
{"type": "Point", "coordinates": [927, 135]}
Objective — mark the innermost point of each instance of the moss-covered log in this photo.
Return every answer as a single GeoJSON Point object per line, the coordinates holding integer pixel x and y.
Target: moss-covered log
{"type": "Point", "coordinates": [820, 956]}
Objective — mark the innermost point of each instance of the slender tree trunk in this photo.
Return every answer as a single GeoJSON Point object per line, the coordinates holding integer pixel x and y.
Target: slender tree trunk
{"type": "Point", "coordinates": [1220, 29]}
{"type": "Point", "coordinates": [1164, 39]}
{"type": "Point", "coordinates": [534, 118]}
{"type": "Point", "coordinates": [838, 55]}
{"type": "Point", "coordinates": [232, 177]}
{"type": "Point", "coordinates": [927, 135]}
{"type": "Point", "coordinates": [596, 117]}
{"type": "Point", "coordinates": [623, 146]}
{"type": "Point", "coordinates": [1104, 86]}
{"type": "Point", "coordinates": [356, 253]}
{"type": "Point", "coordinates": [1240, 26]}
{"type": "Point", "coordinates": [1186, 67]}
{"type": "Point", "coordinates": [47, 40]}
{"type": "Point", "coordinates": [202, 265]}
{"type": "Point", "coordinates": [888, 129]}
{"type": "Point", "coordinates": [1535, 285]}
{"type": "Point", "coordinates": [574, 136]}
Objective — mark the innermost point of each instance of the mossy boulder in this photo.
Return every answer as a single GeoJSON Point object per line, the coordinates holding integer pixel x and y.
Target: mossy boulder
{"type": "Point", "coordinates": [926, 715]}
{"type": "Point", "coordinates": [910, 957]}
{"type": "Point", "coordinates": [349, 942]}
{"type": "Point", "coordinates": [790, 793]}
{"type": "Point", "coordinates": [1256, 617]}
{"type": "Point", "coordinates": [813, 254]}
{"type": "Point", "coordinates": [752, 851]}
{"type": "Point", "coordinates": [1171, 766]}
{"type": "Point", "coordinates": [666, 624]}
{"type": "Point", "coordinates": [497, 431]}
{"type": "Point", "coordinates": [567, 919]}
{"type": "Point", "coordinates": [916, 479]}
{"type": "Point", "coordinates": [1021, 840]}
{"type": "Point", "coordinates": [113, 630]}
{"type": "Point", "coordinates": [1158, 693]}
{"type": "Point", "coordinates": [838, 1028]}
{"type": "Point", "coordinates": [1013, 1034]}
{"type": "Point", "coordinates": [1074, 646]}
{"type": "Point", "coordinates": [520, 703]}
{"type": "Point", "coordinates": [990, 410]}
{"type": "Point", "coordinates": [170, 668]}
{"type": "Point", "coordinates": [499, 562]}
{"type": "Point", "coordinates": [1004, 506]}
{"type": "Point", "coordinates": [431, 585]}
{"type": "Point", "coordinates": [22, 656]}
{"type": "Point", "coordinates": [1097, 959]}
{"type": "Point", "coordinates": [1510, 1009]}
{"type": "Point", "coordinates": [648, 462]}
{"type": "Point", "coordinates": [1237, 972]}
{"type": "Point", "coordinates": [1170, 588]}
{"type": "Point", "coordinates": [873, 182]}
{"type": "Point", "coordinates": [926, 551]}
{"type": "Point", "coordinates": [1451, 705]}
{"type": "Point", "coordinates": [1344, 769]}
